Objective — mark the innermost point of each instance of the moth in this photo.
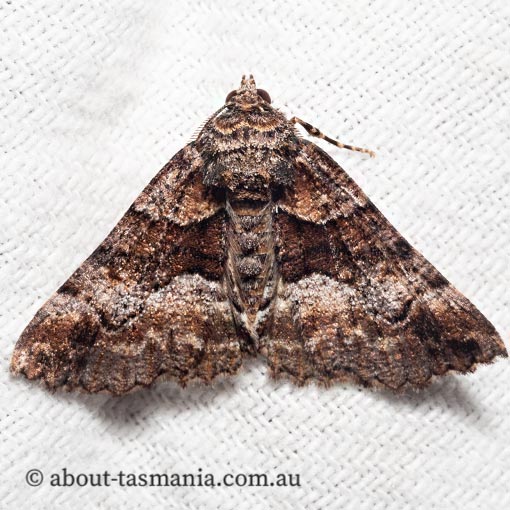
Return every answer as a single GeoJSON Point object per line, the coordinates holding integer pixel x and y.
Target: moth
{"type": "Point", "coordinates": [253, 241]}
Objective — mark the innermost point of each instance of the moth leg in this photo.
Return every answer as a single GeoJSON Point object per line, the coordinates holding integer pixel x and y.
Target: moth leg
{"type": "Point", "coordinates": [315, 132]}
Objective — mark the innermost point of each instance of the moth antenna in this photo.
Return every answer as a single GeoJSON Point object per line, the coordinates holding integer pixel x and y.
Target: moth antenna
{"type": "Point", "coordinates": [197, 131]}
{"type": "Point", "coordinates": [317, 133]}
{"type": "Point", "coordinates": [200, 128]}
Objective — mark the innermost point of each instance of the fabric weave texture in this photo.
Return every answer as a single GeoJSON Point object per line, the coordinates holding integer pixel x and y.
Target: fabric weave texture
{"type": "Point", "coordinates": [97, 96]}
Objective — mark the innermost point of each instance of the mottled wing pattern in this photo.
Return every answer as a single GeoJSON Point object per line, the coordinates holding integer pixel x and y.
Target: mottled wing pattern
{"type": "Point", "coordinates": [147, 303]}
{"type": "Point", "coordinates": [356, 302]}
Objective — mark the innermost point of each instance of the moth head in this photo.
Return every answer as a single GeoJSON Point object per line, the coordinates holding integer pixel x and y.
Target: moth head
{"type": "Point", "coordinates": [248, 95]}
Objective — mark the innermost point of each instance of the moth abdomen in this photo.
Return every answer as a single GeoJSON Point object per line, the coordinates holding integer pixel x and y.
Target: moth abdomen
{"type": "Point", "coordinates": [250, 260]}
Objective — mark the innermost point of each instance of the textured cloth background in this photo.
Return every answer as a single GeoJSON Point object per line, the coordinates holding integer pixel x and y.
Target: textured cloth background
{"type": "Point", "coordinates": [96, 96]}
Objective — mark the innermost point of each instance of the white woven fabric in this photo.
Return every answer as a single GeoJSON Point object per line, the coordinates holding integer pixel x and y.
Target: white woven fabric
{"type": "Point", "coordinates": [96, 96]}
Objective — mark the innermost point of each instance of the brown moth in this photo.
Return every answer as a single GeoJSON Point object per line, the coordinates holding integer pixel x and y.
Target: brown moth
{"type": "Point", "coordinates": [252, 240]}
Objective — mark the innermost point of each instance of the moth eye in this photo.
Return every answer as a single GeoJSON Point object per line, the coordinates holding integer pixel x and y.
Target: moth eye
{"type": "Point", "coordinates": [264, 95]}
{"type": "Point", "coordinates": [230, 96]}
